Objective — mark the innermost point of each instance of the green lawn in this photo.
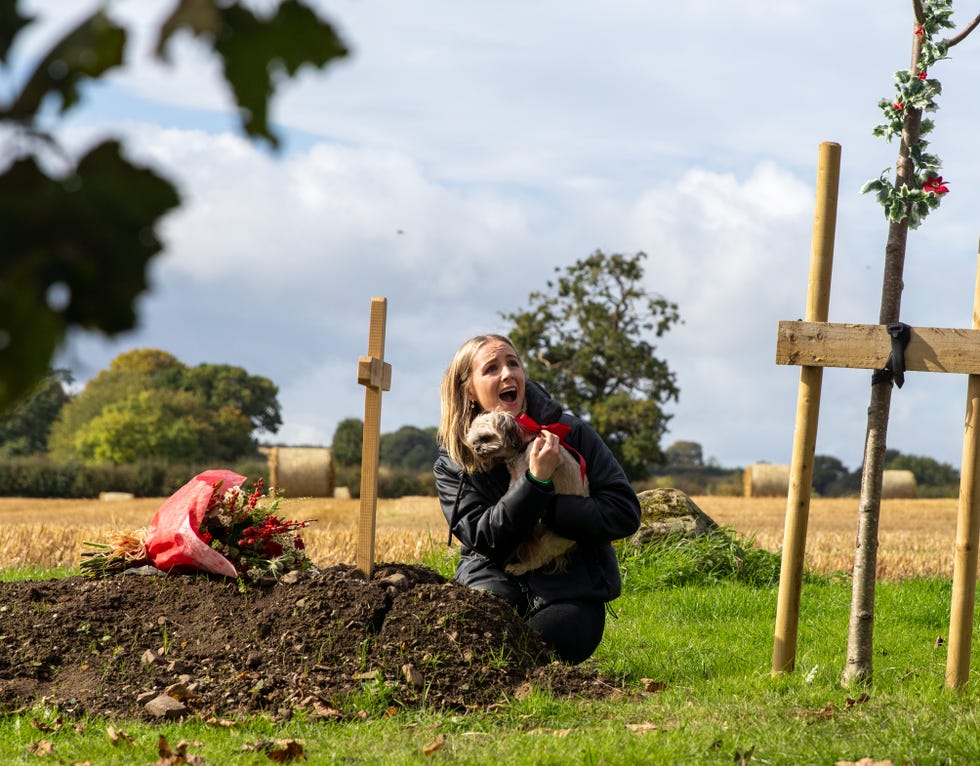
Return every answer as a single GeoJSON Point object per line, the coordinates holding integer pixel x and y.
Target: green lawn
{"type": "Point", "coordinates": [699, 634]}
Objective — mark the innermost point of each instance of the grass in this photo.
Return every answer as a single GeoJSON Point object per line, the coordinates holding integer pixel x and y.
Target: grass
{"type": "Point", "coordinates": [694, 627]}
{"type": "Point", "coordinates": [691, 641]}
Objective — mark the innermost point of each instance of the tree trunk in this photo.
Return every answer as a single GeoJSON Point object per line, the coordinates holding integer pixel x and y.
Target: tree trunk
{"type": "Point", "coordinates": [858, 667]}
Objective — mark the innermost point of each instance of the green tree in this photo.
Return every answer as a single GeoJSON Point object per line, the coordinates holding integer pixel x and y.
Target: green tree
{"type": "Point", "coordinates": [149, 404]}
{"type": "Point", "coordinates": [937, 479]}
{"type": "Point", "coordinates": [24, 430]}
{"type": "Point", "coordinates": [222, 385]}
{"type": "Point", "coordinates": [347, 441]}
{"type": "Point", "coordinates": [78, 238]}
{"type": "Point", "coordinates": [587, 341]}
{"type": "Point", "coordinates": [409, 449]}
{"type": "Point", "coordinates": [106, 388]}
{"type": "Point", "coordinates": [684, 454]}
{"type": "Point", "coordinates": [831, 477]}
{"type": "Point", "coordinates": [171, 425]}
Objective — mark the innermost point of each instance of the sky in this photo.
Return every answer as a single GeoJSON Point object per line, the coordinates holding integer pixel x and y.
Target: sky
{"type": "Point", "coordinates": [466, 150]}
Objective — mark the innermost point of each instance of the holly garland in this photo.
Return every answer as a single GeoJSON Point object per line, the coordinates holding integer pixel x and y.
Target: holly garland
{"type": "Point", "coordinates": [915, 90]}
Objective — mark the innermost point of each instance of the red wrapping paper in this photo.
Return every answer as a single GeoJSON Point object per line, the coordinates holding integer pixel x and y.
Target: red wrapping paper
{"type": "Point", "coordinates": [172, 541]}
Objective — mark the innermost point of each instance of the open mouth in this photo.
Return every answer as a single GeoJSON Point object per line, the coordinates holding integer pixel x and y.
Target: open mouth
{"type": "Point", "coordinates": [509, 396]}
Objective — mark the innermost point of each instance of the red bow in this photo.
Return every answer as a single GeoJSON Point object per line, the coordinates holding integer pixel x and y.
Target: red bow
{"type": "Point", "coordinates": [560, 430]}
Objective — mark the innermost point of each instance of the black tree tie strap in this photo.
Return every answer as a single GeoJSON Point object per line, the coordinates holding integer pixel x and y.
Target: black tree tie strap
{"type": "Point", "coordinates": [894, 370]}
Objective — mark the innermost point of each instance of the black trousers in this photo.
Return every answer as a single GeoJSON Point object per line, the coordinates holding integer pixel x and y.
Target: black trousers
{"type": "Point", "coordinates": [572, 628]}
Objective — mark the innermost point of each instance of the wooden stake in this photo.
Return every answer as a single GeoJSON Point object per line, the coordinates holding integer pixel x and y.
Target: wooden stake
{"type": "Point", "coordinates": [967, 532]}
{"type": "Point", "coordinates": [807, 412]}
{"type": "Point", "coordinates": [375, 375]}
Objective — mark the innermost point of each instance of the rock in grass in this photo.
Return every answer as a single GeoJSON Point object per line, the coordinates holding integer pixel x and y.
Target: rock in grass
{"type": "Point", "coordinates": [165, 707]}
{"type": "Point", "coordinates": [669, 513]}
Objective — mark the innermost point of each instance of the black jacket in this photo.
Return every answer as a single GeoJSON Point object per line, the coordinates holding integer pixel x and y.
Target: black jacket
{"type": "Point", "coordinates": [491, 518]}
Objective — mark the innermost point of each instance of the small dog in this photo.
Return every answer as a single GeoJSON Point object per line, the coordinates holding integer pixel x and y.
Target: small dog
{"type": "Point", "coordinates": [495, 437]}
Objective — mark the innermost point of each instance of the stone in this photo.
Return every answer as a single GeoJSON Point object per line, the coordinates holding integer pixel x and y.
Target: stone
{"type": "Point", "coordinates": [412, 676]}
{"type": "Point", "coordinates": [165, 707]}
{"type": "Point", "coordinates": [669, 513]}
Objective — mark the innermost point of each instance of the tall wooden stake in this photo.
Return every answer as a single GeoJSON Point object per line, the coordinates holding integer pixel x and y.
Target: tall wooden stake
{"type": "Point", "coordinates": [807, 412]}
{"type": "Point", "coordinates": [967, 531]}
{"type": "Point", "coordinates": [375, 374]}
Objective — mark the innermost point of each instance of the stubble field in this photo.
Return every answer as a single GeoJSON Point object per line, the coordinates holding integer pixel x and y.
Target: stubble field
{"type": "Point", "coordinates": [916, 537]}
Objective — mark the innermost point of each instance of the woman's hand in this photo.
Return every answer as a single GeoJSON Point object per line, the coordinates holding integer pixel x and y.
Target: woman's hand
{"type": "Point", "coordinates": [545, 456]}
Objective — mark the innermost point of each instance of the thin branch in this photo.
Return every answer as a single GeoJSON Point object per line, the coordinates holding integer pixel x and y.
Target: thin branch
{"type": "Point", "coordinates": [962, 35]}
{"type": "Point", "coordinates": [920, 14]}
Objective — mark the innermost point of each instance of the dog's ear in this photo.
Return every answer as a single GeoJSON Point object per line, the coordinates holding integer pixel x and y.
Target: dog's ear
{"type": "Point", "coordinates": [504, 423]}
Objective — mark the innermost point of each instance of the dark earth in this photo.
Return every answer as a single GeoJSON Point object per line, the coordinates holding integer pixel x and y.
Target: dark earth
{"type": "Point", "coordinates": [328, 643]}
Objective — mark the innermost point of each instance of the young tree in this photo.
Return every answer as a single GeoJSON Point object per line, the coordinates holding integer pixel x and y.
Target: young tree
{"type": "Point", "coordinates": [77, 241]}
{"type": "Point", "coordinates": [916, 190]}
{"type": "Point", "coordinates": [586, 341]}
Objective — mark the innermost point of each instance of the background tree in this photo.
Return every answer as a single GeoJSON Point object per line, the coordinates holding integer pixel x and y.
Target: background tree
{"type": "Point", "coordinates": [161, 423]}
{"type": "Point", "coordinates": [78, 234]}
{"type": "Point", "coordinates": [223, 385]}
{"type": "Point", "coordinates": [830, 476]}
{"type": "Point", "coordinates": [148, 404]}
{"type": "Point", "coordinates": [25, 429]}
{"type": "Point", "coordinates": [347, 441]}
{"type": "Point", "coordinates": [684, 454]}
{"type": "Point", "coordinates": [586, 341]}
{"type": "Point", "coordinates": [933, 478]}
{"type": "Point", "coordinates": [409, 449]}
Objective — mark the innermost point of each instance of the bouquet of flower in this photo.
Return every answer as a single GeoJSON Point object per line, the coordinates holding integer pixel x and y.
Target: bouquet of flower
{"type": "Point", "coordinates": [210, 524]}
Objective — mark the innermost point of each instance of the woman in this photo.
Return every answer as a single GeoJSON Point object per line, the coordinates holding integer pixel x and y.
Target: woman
{"type": "Point", "coordinates": [490, 518]}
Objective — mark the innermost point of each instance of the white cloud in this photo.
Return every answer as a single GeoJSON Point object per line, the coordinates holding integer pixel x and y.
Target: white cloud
{"type": "Point", "coordinates": [465, 151]}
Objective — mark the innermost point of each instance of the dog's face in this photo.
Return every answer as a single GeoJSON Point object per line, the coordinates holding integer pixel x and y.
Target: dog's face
{"type": "Point", "coordinates": [495, 437]}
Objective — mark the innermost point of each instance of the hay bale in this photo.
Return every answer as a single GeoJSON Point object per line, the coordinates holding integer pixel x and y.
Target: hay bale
{"type": "Point", "coordinates": [114, 497]}
{"type": "Point", "coordinates": [669, 513]}
{"type": "Point", "coordinates": [898, 484]}
{"type": "Point", "coordinates": [302, 471]}
{"type": "Point", "coordinates": [766, 480]}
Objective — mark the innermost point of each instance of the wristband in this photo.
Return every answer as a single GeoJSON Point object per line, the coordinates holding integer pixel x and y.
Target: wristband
{"type": "Point", "coordinates": [536, 480]}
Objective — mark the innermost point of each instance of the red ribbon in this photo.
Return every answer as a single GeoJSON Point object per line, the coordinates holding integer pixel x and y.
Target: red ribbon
{"type": "Point", "coordinates": [561, 430]}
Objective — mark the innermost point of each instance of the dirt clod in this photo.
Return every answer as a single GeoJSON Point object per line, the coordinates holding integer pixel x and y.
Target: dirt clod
{"type": "Point", "coordinates": [322, 644]}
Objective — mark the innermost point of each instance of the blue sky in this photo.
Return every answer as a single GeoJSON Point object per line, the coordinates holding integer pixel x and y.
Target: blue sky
{"type": "Point", "coordinates": [467, 149]}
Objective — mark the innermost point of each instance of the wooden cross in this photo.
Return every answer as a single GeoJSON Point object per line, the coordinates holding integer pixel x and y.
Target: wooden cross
{"type": "Point", "coordinates": [814, 344]}
{"type": "Point", "coordinates": [375, 375]}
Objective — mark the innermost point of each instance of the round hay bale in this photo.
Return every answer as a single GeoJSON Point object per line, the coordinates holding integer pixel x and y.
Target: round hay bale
{"type": "Point", "coordinates": [302, 471]}
{"type": "Point", "coordinates": [766, 480]}
{"type": "Point", "coordinates": [898, 484]}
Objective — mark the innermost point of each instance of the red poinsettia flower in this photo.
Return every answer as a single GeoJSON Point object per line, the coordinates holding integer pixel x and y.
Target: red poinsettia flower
{"type": "Point", "coordinates": [935, 185]}
{"type": "Point", "coordinates": [898, 106]}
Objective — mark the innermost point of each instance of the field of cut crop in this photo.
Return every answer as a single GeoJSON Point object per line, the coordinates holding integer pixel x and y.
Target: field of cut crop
{"type": "Point", "coordinates": [916, 536]}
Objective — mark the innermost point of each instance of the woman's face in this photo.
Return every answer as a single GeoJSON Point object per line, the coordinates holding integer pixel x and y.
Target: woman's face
{"type": "Point", "coordinates": [497, 378]}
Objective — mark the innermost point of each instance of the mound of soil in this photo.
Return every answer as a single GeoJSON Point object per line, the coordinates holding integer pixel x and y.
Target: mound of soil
{"type": "Point", "coordinates": [156, 646]}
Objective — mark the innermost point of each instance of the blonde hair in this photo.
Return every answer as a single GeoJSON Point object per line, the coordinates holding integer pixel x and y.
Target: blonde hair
{"type": "Point", "coordinates": [457, 408]}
